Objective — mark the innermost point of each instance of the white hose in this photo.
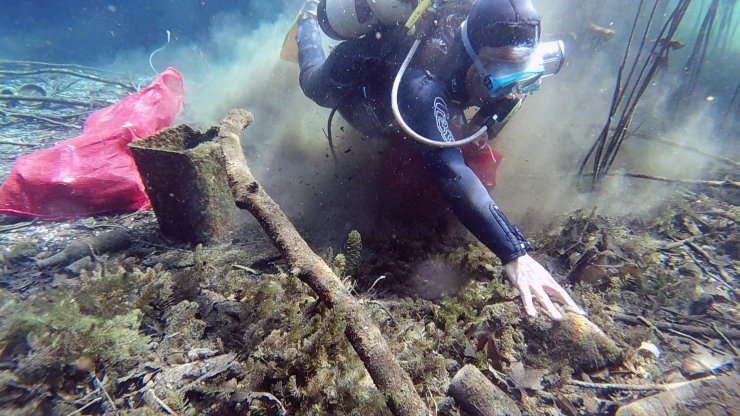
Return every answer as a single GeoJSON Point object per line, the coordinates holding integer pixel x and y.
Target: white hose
{"type": "Point", "coordinates": [157, 51]}
{"type": "Point", "coordinates": [409, 130]}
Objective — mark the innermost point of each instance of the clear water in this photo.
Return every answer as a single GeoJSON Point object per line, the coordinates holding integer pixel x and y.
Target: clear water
{"type": "Point", "coordinates": [228, 53]}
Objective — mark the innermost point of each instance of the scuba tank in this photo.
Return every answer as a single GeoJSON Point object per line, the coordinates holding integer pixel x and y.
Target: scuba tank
{"type": "Point", "coordinates": [349, 19]}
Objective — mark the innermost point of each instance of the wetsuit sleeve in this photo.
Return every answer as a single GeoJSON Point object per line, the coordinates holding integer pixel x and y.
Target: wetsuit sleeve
{"type": "Point", "coordinates": [423, 104]}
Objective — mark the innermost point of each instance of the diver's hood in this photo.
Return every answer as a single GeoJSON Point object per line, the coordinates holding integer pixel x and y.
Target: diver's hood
{"type": "Point", "coordinates": [497, 23]}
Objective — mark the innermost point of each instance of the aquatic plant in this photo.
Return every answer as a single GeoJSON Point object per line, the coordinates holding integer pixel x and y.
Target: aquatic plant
{"type": "Point", "coordinates": [60, 338]}
{"type": "Point", "coordinates": [353, 252]}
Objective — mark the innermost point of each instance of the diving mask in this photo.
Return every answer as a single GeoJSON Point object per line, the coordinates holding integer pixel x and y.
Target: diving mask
{"type": "Point", "coordinates": [543, 60]}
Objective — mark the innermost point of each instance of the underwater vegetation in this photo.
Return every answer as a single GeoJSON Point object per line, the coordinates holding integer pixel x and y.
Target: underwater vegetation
{"type": "Point", "coordinates": [216, 330]}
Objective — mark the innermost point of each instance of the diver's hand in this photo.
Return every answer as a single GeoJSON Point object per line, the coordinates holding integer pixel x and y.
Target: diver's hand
{"type": "Point", "coordinates": [533, 280]}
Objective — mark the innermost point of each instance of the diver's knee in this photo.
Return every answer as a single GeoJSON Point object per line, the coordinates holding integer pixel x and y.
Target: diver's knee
{"type": "Point", "coordinates": [313, 87]}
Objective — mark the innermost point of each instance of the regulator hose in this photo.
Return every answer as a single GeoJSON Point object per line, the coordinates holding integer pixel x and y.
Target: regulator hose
{"type": "Point", "coordinates": [409, 130]}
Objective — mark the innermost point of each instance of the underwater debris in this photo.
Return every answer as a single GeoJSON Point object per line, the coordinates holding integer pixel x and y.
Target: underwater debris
{"type": "Point", "coordinates": [185, 332]}
{"type": "Point", "coordinates": [196, 374]}
{"type": "Point", "coordinates": [715, 396]}
{"type": "Point", "coordinates": [604, 32]}
{"type": "Point", "coordinates": [672, 43]}
{"type": "Point", "coordinates": [477, 396]}
{"type": "Point", "coordinates": [109, 241]}
{"type": "Point", "coordinates": [186, 182]}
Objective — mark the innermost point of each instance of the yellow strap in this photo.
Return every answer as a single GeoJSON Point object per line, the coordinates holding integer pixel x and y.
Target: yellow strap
{"type": "Point", "coordinates": [418, 12]}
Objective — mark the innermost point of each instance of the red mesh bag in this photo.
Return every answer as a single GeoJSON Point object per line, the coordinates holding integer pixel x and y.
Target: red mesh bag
{"type": "Point", "coordinates": [94, 172]}
{"type": "Point", "coordinates": [483, 160]}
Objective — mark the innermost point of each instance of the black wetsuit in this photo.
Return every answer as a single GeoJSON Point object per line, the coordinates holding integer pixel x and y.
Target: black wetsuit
{"type": "Point", "coordinates": [357, 78]}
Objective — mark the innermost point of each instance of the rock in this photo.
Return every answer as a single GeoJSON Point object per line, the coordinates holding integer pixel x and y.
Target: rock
{"type": "Point", "coordinates": [575, 341]}
{"type": "Point", "coordinates": [595, 275]}
{"type": "Point", "coordinates": [200, 353]}
{"type": "Point", "coordinates": [77, 266]}
{"type": "Point", "coordinates": [583, 344]}
{"type": "Point", "coordinates": [477, 396]}
{"type": "Point", "coordinates": [701, 304]}
{"type": "Point", "coordinates": [529, 379]}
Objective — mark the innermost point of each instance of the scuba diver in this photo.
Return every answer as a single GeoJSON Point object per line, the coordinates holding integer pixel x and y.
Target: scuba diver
{"type": "Point", "coordinates": [483, 54]}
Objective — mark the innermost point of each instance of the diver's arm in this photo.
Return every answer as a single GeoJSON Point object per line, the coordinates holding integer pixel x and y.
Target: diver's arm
{"type": "Point", "coordinates": [423, 104]}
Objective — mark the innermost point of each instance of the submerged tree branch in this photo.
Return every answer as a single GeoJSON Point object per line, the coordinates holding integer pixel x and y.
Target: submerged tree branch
{"type": "Point", "coordinates": [16, 63]}
{"type": "Point", "coordinates": [714, 184]}
{"type": "Point", "coordinates": [684, 146]}
{"type": "Point", "coordinates": [686, 329]}
{"type": "Point", "coordinates": [40, 118]}
{"type": "Point", "coordinates": [68, 72]}
{"type": "Point", "coordinates": [365, 337]}
{"type": "Point", "coordinates": [14, 143]}
{"type": "Point", "coordinates": [638, 387]}
{"type": "Point", "coordinates": [51, 100]}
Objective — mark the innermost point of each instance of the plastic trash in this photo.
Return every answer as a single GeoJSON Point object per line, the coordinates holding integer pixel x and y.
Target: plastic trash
{"type": "Point", "coordinates": [484, 161]}
{"type": "Point", "coordinates": [94, 172]}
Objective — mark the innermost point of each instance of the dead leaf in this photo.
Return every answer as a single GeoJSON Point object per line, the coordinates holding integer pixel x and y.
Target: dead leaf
{"type": "Point", "coordinates": [600, 375]}
{"type": "Point", "coordinates": [565, 405]}
{"type": "Point", "coordinates": [526, 379]}
{"type": "Point", "coordinates": [594, 275]}
{"type": "Point", "coordinates": [691, 226]}
{"type": "Point", "coordinates": [573, 258]}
